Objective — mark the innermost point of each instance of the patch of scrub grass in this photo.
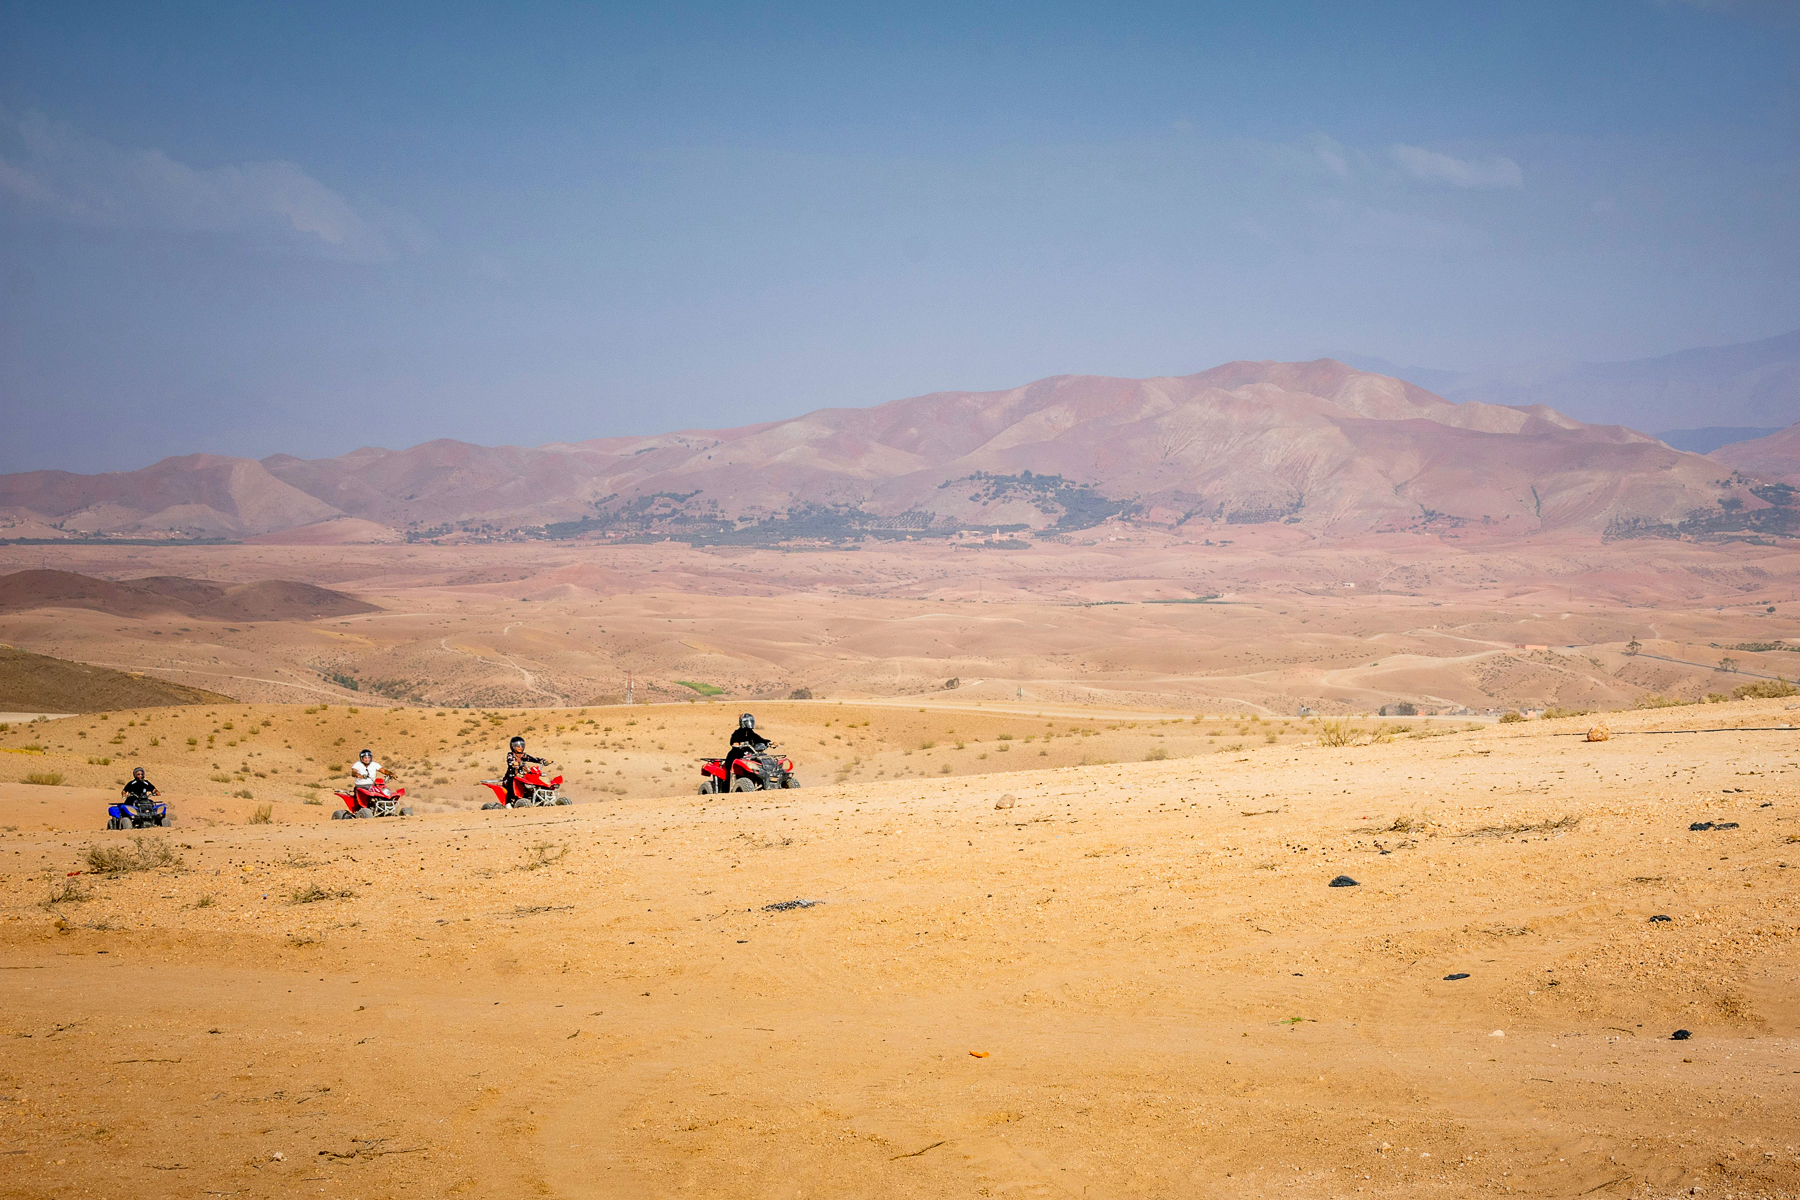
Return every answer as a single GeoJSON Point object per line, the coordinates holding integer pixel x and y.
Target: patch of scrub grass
{"type": "Point", "coordinates": [142, 854]}
{"type": "Point", "coordinates": [45, 778]}
{"type": "Point", "coordinates": [264, 815]}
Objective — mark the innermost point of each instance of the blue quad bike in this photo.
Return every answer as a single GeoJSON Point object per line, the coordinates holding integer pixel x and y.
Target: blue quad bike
{"type": "Point", "coordinates": [134, 816]}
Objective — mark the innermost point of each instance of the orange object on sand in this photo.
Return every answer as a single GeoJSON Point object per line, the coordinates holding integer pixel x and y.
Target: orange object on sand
{"type": "Point", "coordinates": [978, 1054]}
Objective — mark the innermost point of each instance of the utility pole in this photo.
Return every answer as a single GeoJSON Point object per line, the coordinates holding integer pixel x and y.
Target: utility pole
{"type": "Point", "coordinates": [628, 687]}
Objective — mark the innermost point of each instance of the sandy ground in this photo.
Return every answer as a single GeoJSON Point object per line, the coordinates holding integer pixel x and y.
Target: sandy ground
{"type": "Point", "coordinates": [1134, 981]}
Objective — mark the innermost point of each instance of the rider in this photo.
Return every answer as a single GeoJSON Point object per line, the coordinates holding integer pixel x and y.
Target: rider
{"type": "Point", "coordinates": [516, 758]}
{"type": "Point", "coordinates": [366, 775]}
{"type": "Point", "coordinates": [744, 739]}
{"type": "Point", "coordinates": [137, 793]}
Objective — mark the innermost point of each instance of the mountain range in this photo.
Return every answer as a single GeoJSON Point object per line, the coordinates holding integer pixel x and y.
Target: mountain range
{"type": "Point", "coordinates": [1318, 445]}
{"type": "Point", "coordinates": [1740, 391]}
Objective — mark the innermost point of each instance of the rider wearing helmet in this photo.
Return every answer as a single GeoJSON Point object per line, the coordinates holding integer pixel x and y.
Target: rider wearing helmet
{"type": "Point", "coordinates": [516, 758]}
{"type": "Point", "coordinates": [744, 738]}
{"type": "Point", "coordinates": [365, 775]}
{"type": "Point", "coordinates": [137, 793]}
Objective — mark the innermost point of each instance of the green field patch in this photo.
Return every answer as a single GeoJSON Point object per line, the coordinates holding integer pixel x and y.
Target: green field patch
{"type": "Point", "coordinates": [705, 689]}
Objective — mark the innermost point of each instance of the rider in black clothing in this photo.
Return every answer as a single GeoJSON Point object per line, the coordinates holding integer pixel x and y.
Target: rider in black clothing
{"type": "Point", "coordinates": [516, 758]}
{"type": "Point", "coordinates": [137, 793]}
{"type": "Point", "coordinates": [744, 739]}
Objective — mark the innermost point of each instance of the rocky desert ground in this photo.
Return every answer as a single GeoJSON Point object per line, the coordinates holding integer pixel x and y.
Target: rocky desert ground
{"type": "Point", "coordinates": [1068, 928]}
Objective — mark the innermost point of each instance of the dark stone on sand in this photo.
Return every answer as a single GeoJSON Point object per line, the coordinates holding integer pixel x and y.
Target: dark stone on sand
{"type": "Point", "coordinates": [1344, 881]}
{"type": "Point", "coordinates": [1458, 975]}
{"type": "Point", "coordinates": [1680, 1035]}
{"type": "Point", "coordinates": [1662, 917]}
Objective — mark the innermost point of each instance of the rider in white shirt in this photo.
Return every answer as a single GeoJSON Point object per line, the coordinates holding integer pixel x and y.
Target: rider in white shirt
{"type": "Point", "coordinates": [366, 773]}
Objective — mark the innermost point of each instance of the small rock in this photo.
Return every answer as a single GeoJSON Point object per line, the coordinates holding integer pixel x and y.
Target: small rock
{"type": "Point", "coordinates": [1344, 881]}
{"type": "Point", "coordinates": [1662, 917]}
{"type": "Point", "coordinates": [1599, 733]}
{"type": "Point", "coordinates": [1006, 801]}
{"type": "Point", "coordinates": [1498, 1033]}
{"type": "Point", "coordinates": [1700, 826]}
{"type": "Point", "coordinates": [1458, 975]}
{"type": "Point", "coordinates": [278, 1156]}
{"type": "Point", "coordinates": [1680, 1035]}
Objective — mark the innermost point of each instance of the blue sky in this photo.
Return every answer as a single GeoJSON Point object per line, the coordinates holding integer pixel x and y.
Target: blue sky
{"type": "Point", "coordinates": [304, 228]}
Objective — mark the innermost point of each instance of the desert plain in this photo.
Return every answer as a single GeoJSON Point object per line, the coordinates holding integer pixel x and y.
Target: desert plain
{"type": "Point", "coordinates": [1066, 928]}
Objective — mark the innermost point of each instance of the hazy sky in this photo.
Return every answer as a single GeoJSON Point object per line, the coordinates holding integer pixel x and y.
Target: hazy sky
{"type": "Point", "coordinates": [256, 228]}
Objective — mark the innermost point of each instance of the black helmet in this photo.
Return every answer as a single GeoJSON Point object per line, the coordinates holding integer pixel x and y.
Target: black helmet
{"type": "Point", "coordinates": [518, 743]}
{"type": "Point", "coordinates": [365, 752]}
{"type": "Point", "coordinates": [136, 771]}
{"type": "Point", "coordinates": [747, 721]}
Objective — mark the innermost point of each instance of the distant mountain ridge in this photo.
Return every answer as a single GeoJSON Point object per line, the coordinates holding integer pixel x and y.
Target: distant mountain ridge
{"type": "Point", "coordinates": [1318, 445]}
{"type": "Point", "coordinates": [1749, 385]}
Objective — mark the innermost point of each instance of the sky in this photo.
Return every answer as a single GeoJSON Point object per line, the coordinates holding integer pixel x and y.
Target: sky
{"type": "Point", "coordinates": [305, 228]}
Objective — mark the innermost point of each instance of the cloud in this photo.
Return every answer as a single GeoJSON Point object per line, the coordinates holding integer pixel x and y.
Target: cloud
{"type": "Point", "coordinates": [66, 175]}
{"type": "Point", "coordinates": [1432, 167]}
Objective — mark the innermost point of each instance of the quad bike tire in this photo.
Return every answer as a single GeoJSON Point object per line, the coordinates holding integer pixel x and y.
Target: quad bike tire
{"type": "Point", "coordinates": [364, 814]}
{"type": "Point", "coordinates": [112, 822]}
{"type": "Point", "coordinates": [743, 785]}
{"type": "Point", "coordinates": [709, 786]}
{"type": "Point", "coordinates": [562, 800]}
{"type": "Point", "coordinates": [492, 804]}
{"type": "Point", "coordinates": [342, 814]}
{"type": "Point", "coordinates": [407, 811]}
{"type": "Point", "coordinates": [790, 782]}
{"type": "Point", "coordinates": [165, 821]}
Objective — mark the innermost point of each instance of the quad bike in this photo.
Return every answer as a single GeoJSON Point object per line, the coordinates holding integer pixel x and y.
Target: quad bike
{"type": "Point", "coordinates": [377, 801]}
{"type": "Point", "coordinates": [529, 790]}
{"type": "Point", "coordinates": [138, 816]}
{"type": "Point", "coordinates": [749, 773]}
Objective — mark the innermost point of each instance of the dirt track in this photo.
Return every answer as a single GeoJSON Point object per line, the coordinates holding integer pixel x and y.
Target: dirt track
{"type": "Point", "coordinates": [1171, 999]}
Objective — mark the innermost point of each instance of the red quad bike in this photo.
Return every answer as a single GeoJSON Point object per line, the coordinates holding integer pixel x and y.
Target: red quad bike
{"type": "Point", "coordinates": [749, 773]}
{"type": "Point", "coordinates": [529, 790]}
{"type": "Point", "coordinates": [378, 801]}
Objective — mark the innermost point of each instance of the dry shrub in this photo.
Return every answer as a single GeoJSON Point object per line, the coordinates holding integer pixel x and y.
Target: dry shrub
{"type": "Point", "coordinates": [45, 778]}
{"type": "Point", "coordinates": [312, 893]}
{"type": "Point", "coordinates": [1765, 689]}
{"type": "Point", "coordinates": [1511, 717]}
{"type": "Point", "coordinates": [543, 854]}
{"type": "Point", "coordinates": [1560, 823]}
{"type": "Point", "coordinates": [1337, 733]}
{"type": "Point", "coordinates": [264, 815]}
{"type": "Point", "coordinates": [1556, 711]}
{"type": "Point", "coordinates": [143, 854]}
{"type": "Point", "coordinates": [66, 891]}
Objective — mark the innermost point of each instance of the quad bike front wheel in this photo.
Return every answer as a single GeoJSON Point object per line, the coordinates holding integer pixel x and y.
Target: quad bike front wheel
{"type": "Point", "coordinates": [342, 814]}
{"type": "Point", "coordinates": [743, 785]}
{"type": "Point", "coordinates": [492, 804]}
{"type": "Point", "coordinates": [790, 782]}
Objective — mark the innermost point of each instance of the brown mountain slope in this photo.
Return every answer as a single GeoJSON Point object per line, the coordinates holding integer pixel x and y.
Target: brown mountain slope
{"type": "Point", "coordinates": [1775, 458]}
{"type": "Point", "coordinates": [266, 600]}
{"type": "Point", "coordinates": [1318, 445]}
{"type": "Point", "coordinates": [38, 683]}
{"type": "Point", "coordinates": [195, 495]}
